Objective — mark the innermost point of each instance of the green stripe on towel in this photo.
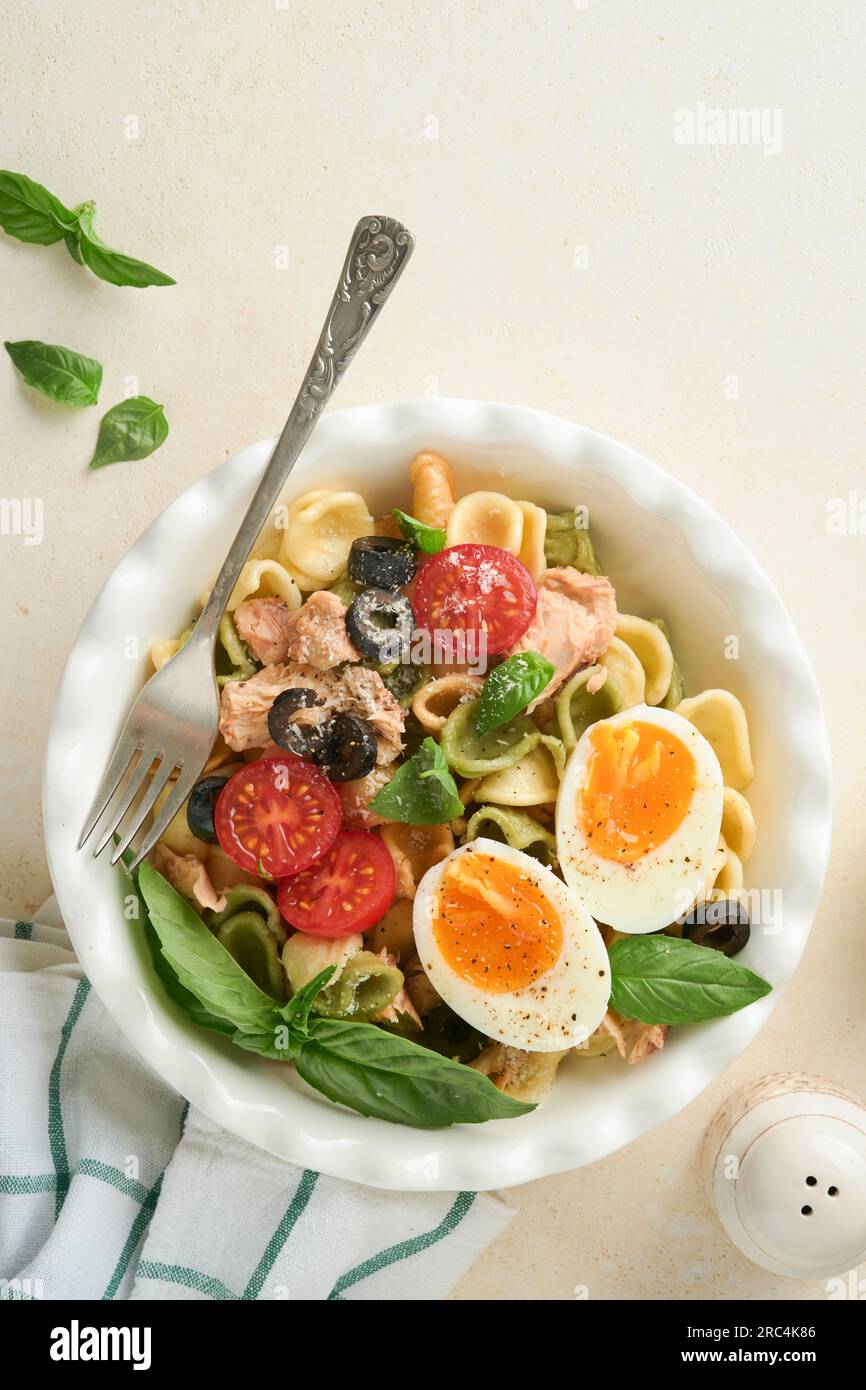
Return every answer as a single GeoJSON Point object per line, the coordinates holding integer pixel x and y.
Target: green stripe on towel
{"type": "Point", "coordinates": [303, 1193]}
{"type": "Point", "coordinates": [187, 1278]}
{"type": "Point", "coordinates": [56, 1137]}
{"type": "Point", "coordinates": [413, 1246]}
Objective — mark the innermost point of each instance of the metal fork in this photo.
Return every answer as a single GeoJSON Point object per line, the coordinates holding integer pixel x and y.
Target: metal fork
{"type": "Point", "coordinates": [173, 723]}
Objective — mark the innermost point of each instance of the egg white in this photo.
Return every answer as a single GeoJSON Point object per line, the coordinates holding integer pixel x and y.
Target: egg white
{"type": "Point", "coordinates": [562, 1007]}
{"type": "Point", "coordinates": [653, 891]}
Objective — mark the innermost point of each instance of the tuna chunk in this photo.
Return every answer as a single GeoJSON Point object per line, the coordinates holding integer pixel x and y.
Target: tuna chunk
{"type": "Point", "coordinates": [188, 875]}
{"type": "Point", "coordinates": [245, 704]}
{"type": "Point", "coordinates": [265, 625]}
{"type": "Point", "coordinates": [312, 635]}
{"type": "Point", "coordinates": [635, 1041]}
{"type": "Point", "coordinates": [366, 695]}
{"type": "Point", "coordinates": [573, 624]}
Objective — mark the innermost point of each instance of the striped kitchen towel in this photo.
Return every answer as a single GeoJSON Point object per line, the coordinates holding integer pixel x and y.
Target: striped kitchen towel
{"type": "Point", "coordinates": [111, 1187]}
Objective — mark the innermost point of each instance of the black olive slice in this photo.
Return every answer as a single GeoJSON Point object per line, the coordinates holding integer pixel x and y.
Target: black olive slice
{"type": "Point", "coordinates": [381, 562]}
{"type": "Point", "coordinates": [723, 925]}
{"type": "Point", "coordinates": [305, 740]}
{"type": "Point", "coordinates": [199, 808]}
{"type": "Point", "coordinates": [380, 624]}
{"type": "Point", "coordinates": [350, 748]}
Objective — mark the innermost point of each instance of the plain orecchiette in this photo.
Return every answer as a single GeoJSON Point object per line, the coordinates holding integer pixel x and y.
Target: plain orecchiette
{"type": "Point", "coordinates": [626, 670]}
{"type": "Point", "coordinates": [262, 579]}
{"type": "Point", "coordinates": [530, 782]}
{"type": "Point", "coordinates": [730, 877]}
{"type": "Point", "coordinates": [486, 518]}
{"type": "Point", "coordinates": [320, 528]}
{"type": "Point", "coordinates": [394, 932]}
{"type": "Point", "coordinates": [722, 720]}
{"type": "Point", "coordinates": [163, 650]}
{"type": "Point", "coordinates": [436, 700]}
{"type": "Point", "coordinates": [433, 489]}
{"type": "Point", "coordinates": [531, 552]}
{"type": "Point", "coordinates": [415, 849]}
{"type": "Point", "coordinates": [738, 824]}
{"type": "Point", "coordinates": [653, 651]}
{"type": "Point", "coordinates": [177, 834]}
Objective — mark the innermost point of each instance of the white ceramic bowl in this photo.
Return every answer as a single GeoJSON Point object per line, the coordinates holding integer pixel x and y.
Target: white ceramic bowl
{"type": "Point", "coordinates": [668, 555]}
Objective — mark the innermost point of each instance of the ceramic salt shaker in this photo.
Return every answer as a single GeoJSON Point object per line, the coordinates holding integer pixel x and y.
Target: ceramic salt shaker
{"type": "Point", "coordinates": [784, 1161]}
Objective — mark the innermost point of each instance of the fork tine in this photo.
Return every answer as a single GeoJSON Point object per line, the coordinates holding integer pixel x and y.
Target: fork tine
{"type": "Point", "coordinates": [185, 783]}
{"type": "Point", "coordinates": [158, 782]}
{"type": "Point", "coordinates": [114, 773]}
{"type": "Point", "coordinates": [117, 812]}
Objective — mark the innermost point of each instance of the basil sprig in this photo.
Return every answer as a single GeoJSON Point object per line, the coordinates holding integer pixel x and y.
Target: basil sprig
{"type": "Point", "coordinates": [430, 539]}
{"type": "Point", "coordinates": [667, 979]}
{"type": "Point", "coordinates": [30, 213]}
{"type": "Point", "coordinates": [355, 1064]}
{"type": "Point", "coordinates": [58, 372]}
{"type": "Point", "coordinates": [422, 791]}
{"type": "Point", "coordinates": [109, 265]}
{"type": "Point", "coordinates": [132, 429]}
{"type": "Point", "coordinates": [509, 688]}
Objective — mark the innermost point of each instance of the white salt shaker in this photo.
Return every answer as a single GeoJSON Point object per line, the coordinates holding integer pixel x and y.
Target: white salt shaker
{"type": "Point", "coordinates": [784, 1161]}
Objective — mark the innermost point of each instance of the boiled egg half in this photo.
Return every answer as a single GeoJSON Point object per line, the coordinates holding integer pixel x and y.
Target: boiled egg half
{"type": "Point", "coordinates": [638, 818]}
{"type": "Point", "coordinates": [510, 948]}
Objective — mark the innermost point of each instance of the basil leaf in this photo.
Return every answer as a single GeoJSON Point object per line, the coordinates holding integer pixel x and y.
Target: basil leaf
{"type": "Point", "coordinates": [430, 539]}
{"type": "Point", "coordinates": [200, 962]}
{"type": "Point", "coordinates": [57, 372]}
{"type": "Point", "coordinates": [30, 213]}
{"type": "Point", "coordinates": [173, 988]}
{"type": "Point", "coordinates": [297, 1012]}
{"type": "Point", "coordinates": [665, 979]}
{"type": "Point", "coordinates": [132, 429]}
{"type": "Point", "coordinates": [509, 688]}
{"type": "Point", "coordinates": [422, 791]}
{"type": "Point", "coordinates": [390, 1078]}
{"type": "Point", "coordinates": [110, 265]}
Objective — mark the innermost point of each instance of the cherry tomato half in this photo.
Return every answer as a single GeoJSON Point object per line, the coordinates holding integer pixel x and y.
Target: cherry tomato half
{"type": "Point", "coordinates": [277, 815]}
{"type": "Point", "coordinates": [476, 587]}
{"type": "Point", "coordinates": [345, 891]}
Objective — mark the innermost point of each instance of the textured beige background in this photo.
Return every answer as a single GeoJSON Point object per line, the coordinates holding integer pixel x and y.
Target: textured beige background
{"type": "Point", "coordinates": [264, 125]}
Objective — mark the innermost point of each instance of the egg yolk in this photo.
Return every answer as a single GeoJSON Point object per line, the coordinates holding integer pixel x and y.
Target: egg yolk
{"type": "Point", "coordinates": [640, 779]}
{"type": "Point", "coordinates": [493, 925]}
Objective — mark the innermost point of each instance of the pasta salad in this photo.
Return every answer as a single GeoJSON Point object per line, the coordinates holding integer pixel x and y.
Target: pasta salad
{"type": "Point", "coordinates": [462, 820]}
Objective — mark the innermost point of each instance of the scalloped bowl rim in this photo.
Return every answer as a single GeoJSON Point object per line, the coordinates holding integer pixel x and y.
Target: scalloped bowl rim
{"type": "Point", "coordinates": [583, 1121]}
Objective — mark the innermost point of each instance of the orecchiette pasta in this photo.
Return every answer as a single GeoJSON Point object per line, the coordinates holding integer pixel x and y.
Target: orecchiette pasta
{"type": "Point", "coordinates": [531, 552]}
{"type": "Point", "coordinates": [486, 518]}
{"type": "Point", "coordinates": [738, 824]}
{"type": "Point", "coordinates": [623, 665]}
{"type": "Point", "coordinates": [163, 650]}
{"type": "Point", "coordinates": [439, 698]}
{"type": "Point", "coordinates": [415, 849]}
{"type": "Point", "coordinates": [320, 528]}
{"type": "Point", "coordinates": [224, 872]}
{"type": "Point", "coordinates": [653, 651]}
{"type": "Point", "coordinates": [516, 828]}
{"type": "Point", "coordinates": [722, 720]}
{"type": "Point", "coordinates": [264, 578]}
{"type": "Point", "coordinates": [394, 932]}
{"type": "Point", "coordinates": [591, 695]}
{"type": "Point", "coordinates": [433, 489]}
{"type": "Point", "coordinates": [178, 835]}
{"type": "Point", "coordinates": [729, 879]}
{"type": "Point", "coordinates": [527, 1076]}
{"type": "Point", "coordinates": [530, 782]}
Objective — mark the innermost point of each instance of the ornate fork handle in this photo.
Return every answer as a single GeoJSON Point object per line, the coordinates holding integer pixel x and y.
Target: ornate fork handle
{"type": "Point", "coordinates": [378, 251]}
